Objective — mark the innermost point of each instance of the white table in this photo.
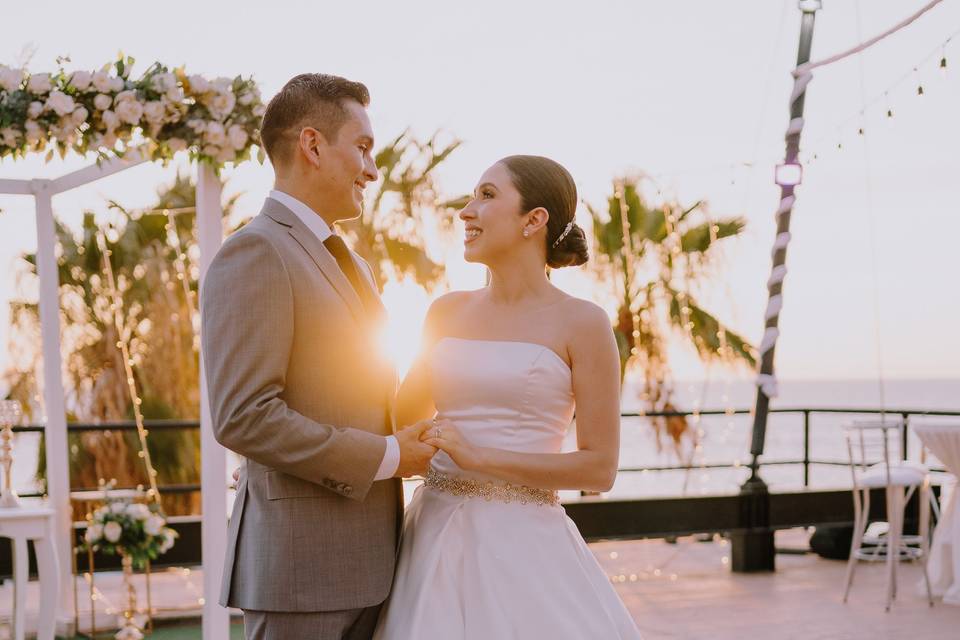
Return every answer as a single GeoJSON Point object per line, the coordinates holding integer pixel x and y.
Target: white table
{"type": "Point", "coordinates": [943, 565]}
{"type": "Point", "coordinates": [32, 523]}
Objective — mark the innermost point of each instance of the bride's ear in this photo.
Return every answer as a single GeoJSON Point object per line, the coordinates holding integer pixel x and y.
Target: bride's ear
{"type": "Point", "coordinates": [536, 219]}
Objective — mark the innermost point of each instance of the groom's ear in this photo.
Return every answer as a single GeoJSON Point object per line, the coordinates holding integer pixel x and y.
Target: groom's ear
{"type": "Point", "coordinates": [311, 144]}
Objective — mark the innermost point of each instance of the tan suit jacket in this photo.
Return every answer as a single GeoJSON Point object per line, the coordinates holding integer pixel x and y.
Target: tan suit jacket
{"type": "Point", "coordinates": [298, 387]}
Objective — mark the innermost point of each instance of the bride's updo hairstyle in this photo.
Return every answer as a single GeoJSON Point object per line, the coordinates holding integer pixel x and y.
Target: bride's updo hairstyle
{"type": "Point", "coordinates": [545, 183]}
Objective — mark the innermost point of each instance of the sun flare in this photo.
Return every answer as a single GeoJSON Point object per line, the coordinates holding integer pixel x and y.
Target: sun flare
{"type": "Point", "coordinates": [407, 303]}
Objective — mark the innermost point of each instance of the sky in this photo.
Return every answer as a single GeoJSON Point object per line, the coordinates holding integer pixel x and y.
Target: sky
{"type": "Point", "coordinates": [692, 92]}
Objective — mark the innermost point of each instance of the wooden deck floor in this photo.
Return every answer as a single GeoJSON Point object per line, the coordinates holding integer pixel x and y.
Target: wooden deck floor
{"type": "Point", "coordinates": [687, 591]}
{"type": "Point", "coordinates": [674, 591]}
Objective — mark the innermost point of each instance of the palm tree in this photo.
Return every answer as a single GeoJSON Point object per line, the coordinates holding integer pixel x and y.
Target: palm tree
{"type": "Point", "coordinates": [654, 257]}
{"type": "Point", "coordinates": [152, 260]}
{"type": "Point", "coordinates": [405, 210]}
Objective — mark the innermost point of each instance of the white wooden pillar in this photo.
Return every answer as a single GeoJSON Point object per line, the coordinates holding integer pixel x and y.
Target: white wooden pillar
{"type": "Point", "coordinates": [55, 417]}
{"type": "Point", "coordinates": [213, 468]}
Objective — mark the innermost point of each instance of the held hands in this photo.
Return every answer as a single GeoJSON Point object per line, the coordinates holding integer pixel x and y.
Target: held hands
{"type": "Point", "coordinates": [415, 455]}
{"type": "Point", "coordinates": [443, 435]}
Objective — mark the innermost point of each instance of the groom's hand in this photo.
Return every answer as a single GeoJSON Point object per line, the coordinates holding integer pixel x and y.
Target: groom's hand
{"type": "Point", "coordinates": [414, 455]}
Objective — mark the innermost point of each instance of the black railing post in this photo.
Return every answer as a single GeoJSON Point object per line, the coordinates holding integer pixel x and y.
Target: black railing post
{"type": "Point", "coordinates": [806, 449]}
{"type": "Point", "coordinates": [906, 426]}
{"type": "Point", "coordinates": [752, 547]}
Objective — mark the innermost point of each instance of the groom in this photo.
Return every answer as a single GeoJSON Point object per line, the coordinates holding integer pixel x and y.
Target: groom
{"type": "Point", "coordinates": [298, 387]}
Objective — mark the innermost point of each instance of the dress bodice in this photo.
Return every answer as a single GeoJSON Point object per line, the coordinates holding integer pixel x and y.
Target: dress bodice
{"type": "Point", "coordinates": [508, 395]}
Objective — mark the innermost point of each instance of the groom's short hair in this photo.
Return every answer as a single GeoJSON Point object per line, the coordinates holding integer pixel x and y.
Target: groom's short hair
{"type": "Point", "coordinates": [309, 99]}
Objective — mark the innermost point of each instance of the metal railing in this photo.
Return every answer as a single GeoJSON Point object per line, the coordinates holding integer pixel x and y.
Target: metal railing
{"type": "Point", "coordinates": [806, 460]}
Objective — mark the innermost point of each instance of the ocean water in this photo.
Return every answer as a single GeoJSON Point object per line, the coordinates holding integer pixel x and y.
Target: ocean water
{"type": "Point", "coordinates": [723, 439]}
{"type": "Point", "coordinates": [726, 439]}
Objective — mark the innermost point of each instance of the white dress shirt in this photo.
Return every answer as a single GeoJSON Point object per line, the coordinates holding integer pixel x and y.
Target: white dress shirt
{"type": "Point", "coordinates": [319, 227]}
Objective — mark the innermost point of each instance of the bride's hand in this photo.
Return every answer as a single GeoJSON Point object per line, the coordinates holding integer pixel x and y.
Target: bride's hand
{"type": "Point", "coordinates": [445, 436]}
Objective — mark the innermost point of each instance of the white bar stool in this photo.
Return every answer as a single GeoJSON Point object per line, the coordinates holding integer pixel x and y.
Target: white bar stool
{"type": "Point", "coordinates": [867, 441]}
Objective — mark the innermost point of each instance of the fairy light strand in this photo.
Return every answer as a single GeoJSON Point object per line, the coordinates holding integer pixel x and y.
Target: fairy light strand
{"type": "Point", "coordinates": [123, 336]}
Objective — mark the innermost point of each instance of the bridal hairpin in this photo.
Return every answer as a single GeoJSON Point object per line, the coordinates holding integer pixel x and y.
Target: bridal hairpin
{"type": "Point", "coordinates": [566, 230]}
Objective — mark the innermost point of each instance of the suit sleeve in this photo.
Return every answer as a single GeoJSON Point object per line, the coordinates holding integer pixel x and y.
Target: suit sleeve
{"type": "Point", "coordinates": [247, 331]}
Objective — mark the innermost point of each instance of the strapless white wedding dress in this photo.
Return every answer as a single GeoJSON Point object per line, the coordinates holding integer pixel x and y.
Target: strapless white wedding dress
{"type": "Point", "coordinates": [480, 559]}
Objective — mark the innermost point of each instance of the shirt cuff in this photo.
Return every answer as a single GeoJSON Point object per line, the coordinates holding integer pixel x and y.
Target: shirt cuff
{"type": "Point", "coordinates": [391, 460]}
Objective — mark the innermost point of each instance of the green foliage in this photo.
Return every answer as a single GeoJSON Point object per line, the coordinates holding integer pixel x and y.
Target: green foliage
{"type": "Point", "coordinates": [391, 233]}
{"type": "Point", "coordinates": [669, 252]}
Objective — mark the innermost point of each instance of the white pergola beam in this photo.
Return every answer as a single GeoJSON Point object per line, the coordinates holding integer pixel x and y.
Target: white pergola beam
{"type": "Point", "coordinates": [97, 171]}
{"type": "Point", "coordinates": [213, 470]}
{"type": "Point", "coordinates": [16, 187]}
{"type": "Point", "coordinates": [55, 418]}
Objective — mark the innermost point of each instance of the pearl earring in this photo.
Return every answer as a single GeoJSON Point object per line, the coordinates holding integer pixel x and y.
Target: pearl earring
{"type": "Point", "coordinates": [526, 233]}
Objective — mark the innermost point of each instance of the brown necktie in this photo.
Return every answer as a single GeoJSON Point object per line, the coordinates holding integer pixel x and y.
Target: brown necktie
{"type": "Point", "coordinates": [371, 302]}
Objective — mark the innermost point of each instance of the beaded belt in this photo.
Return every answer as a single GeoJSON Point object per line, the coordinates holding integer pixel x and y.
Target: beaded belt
{"type": "Point", "coordinates": [489, 490]}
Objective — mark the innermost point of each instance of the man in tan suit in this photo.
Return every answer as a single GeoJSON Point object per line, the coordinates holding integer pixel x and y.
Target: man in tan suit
{"type": "Point", "coordinates": [298, 387]}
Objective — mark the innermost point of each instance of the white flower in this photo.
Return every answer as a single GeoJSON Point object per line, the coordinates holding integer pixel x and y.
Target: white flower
{"type": "Point", "coordinates": [154, 111]}
{"type": "Point", "coordinates": [221, 104]}
{"type": "Point", "coordinates": [94, 533]}
{"type": "Point", "coordinates": [100, 512]}
{"type": "Point", "coordinates": [102, 101]}
{"type": "Point", "coordinates": [259, 110]}
{"type": "Point", "coordinates": [61, 103]}
{"type": "Point", "coordinates": [128, 633]}
{"type": "Point", "coordinates": [163, 82]}
{"type": "Point", "coordinates": [210, 150]}
{"type": "Point", "coordinates": [8, 137]}
{"type": "Point", "coordinates": [223, 84]}
{"type": "Point", "coordinates": [116, 84]}
{"type": "Point", "coordinates": [154, 525]}
{"type": "Point", "coordinates": [34, 110]}
{"type": "Point", "coordinates": [117, 507]}
{"type": "Point", "coordinates": [129, 110]}
{"type": "Point", "coordinates": [175, 144]}
{"type": "Point", "coordinates": [198, 84]}
{"type": "Point", "coordinates": [79, 115]}
{"type": "Point", "coordinates": [168, 537]}
{"type": "Point", "coordinates": [80, 80]}
{"type": "Point", "coordinates": [110, 120]}
{"type": "Point", "coordinates": [215, 134]}
{"type": "Point", "coordinates": [238, 137]}
{"type": "Point", "coordinates": [246, 98]}
{"type": "Point", "coordinates": [10, 79]}
{"type": "Point", "coordinates": [34, 131]}
{"type": "Point", "coordinates": [174, 93]}
{"type": "Point", "coordinates": [138, 511]}
{"type": "Point", "coordinates": [39, 83]}
{"type": "Point", "coordinates": [101, 81]}
{"type": "Point", "coordinates": [197, 125]}
{"type": "Point", "coordinates": [112, 531]}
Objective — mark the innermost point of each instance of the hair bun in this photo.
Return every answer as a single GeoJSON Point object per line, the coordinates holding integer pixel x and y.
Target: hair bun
{"type": "Point", "coordinates": [572, 250]}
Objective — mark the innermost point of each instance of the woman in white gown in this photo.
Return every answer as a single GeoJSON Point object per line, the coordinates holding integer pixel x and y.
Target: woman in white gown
{"type": "Point", "coordinates": [487, 552]}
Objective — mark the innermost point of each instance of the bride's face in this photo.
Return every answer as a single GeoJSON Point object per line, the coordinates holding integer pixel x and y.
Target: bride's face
{"type": "Point", "coordinates": [493, 224]}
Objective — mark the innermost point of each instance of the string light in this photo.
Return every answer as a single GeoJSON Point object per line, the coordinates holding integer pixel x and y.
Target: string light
{"type": "Point", "coordinates": [124, 333]}
{"type": "Point", "coordinates": [935, 56]}
{"type": "Point", "coordinates": [180, 264]}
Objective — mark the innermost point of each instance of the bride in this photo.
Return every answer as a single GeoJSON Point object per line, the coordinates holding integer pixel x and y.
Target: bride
{"type": "Point", "coordinates": [487, 551]}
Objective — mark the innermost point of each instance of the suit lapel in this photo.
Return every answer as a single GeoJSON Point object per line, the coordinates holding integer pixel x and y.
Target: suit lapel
{"type": "Point", "coordinates": [317, 252]}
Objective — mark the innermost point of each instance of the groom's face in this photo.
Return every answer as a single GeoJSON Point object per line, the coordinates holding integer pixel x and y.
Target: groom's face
{"type": "Point", "coordinates": [343, 166]}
